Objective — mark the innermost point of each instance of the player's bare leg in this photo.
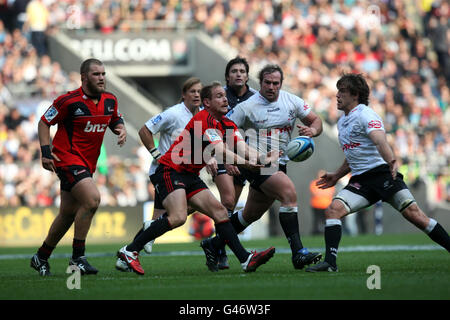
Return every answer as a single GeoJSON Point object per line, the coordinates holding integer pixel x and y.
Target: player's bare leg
{"type": "Point", "coordinates": [63, 221]}
{"type": "Point", "coordinates": [88, 196]}
{"type": "Point", "coordinates": [57, 230]}
{"type": "Point", "coordinates": [430, 226]}
{"type": "Point", "coordinates": [206, 203]}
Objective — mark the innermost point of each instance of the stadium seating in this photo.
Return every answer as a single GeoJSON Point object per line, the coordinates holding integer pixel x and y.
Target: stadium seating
{"type": "Point", "coordinates": [400, 47]}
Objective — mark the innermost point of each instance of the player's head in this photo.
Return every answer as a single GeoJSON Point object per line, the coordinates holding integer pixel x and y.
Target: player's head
{"type": "Point", "coordinates": [93, 79]}
{"type": "Point", "coordinates": [190, 93]}
{"type": "Point", "coordinates": [236, 72]}
{"type": "Point", "coordinates": [356, 86]}
{"type": "Point", "coordinates": [270, 81]}
{"type": "Point", "coordinates": [214, 99]}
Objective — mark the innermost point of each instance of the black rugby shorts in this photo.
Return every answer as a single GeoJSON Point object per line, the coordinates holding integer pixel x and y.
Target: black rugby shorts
{"type": "Point", "coordinates": [166, 180]}
{"type": "Point", "coordinates": [71, 175]}
{"type": "Point", "coordinates": [376, 184]}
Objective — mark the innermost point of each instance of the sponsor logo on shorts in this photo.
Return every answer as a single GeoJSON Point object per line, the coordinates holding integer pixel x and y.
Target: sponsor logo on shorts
{"type": "Point", "coordinates": [387, 185]}
{"type": "Point", "coordinates": [76, 172]}
{"type": "Point", "coordinates": [178, 183]}
{"type": "Point", "coordinates": [355, 185]}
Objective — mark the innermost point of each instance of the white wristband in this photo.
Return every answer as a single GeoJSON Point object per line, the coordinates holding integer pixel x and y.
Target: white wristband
{"type": "Point", "coordinates": [155, 153]}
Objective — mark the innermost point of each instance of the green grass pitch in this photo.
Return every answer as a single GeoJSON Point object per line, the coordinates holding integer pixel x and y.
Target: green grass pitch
{"type": "Point", "coordinates": [404, 274]}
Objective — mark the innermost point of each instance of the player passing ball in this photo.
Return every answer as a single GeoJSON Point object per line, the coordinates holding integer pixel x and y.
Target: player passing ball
{"type": "Point", "coordinates": [178, 185]}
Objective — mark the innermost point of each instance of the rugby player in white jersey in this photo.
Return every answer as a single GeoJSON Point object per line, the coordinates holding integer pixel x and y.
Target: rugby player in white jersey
{"type": "Point", "coordinates": [373, 166]}
{"type": "Point", "coordinates": [271, 113]}
{"type": "Point", "coordinates": [169, 125]}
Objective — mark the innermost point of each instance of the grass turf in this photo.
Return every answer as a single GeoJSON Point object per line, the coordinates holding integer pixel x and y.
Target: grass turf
{"type": "Point", "coordinates": [405, 275]}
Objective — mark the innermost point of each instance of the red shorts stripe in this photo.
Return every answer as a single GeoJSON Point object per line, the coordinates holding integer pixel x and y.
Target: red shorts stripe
{"type": "Point", "coordinates": [193, 193]}
{"type": "Point", "coordinates": [224, 221]}
{"type": "Point", "coordinates": [167, 180]}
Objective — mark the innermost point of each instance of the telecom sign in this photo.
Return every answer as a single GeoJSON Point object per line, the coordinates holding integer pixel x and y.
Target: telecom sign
{"type": "Point", "coordinates": [123, 48]}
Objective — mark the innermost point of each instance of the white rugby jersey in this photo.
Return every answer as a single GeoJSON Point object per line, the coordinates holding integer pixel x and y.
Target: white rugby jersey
{"type": "Point", "coordinates": [354, 128]}
{"type": "Point", "coordinates": [169, 123]}
{"type": "Point", "coordinates": [271, 122]}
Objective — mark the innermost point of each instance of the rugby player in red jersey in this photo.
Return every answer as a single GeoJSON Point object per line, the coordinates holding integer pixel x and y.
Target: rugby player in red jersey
{"type": "Point", "coordinates": [178, 184]}
{"type": "Point", "coordinates": [82, 115]}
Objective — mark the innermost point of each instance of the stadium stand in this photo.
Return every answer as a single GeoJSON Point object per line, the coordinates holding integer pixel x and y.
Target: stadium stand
{"type": "Point", "coordinates": [401, 45]}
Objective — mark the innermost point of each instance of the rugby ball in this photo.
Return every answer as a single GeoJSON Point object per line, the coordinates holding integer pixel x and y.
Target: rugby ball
{"type": "Point", "coordinates": [300, 148]}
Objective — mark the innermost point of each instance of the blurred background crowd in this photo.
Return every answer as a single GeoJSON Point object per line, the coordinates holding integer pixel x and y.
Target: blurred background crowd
{"type": "Point", "coordinates": [401, 46]}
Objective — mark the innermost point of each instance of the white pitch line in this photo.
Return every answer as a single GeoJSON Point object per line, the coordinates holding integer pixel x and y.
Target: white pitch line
{"type": "Point", "coordinates": [366, 248]}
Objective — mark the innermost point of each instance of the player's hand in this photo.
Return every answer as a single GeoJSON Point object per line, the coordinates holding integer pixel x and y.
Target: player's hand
{"type": "Point", "coordinates": [49, 164]}
{"type": "Point", "coordinates": [211, 166]}
{"type": "Point", "coordinates": [327, 180]}
{"type": "Point", "coordinates": [306, 131]}
{"type": "Point", "coordinates": [232, 170]}
{"type": "Point", "coordinates": [393, 166]}
{"type": "Point", "coordinates": [122, 135]}
{"type": "Point", "coordinates": [271, 157]}
{"type": "Point", "coordinates": [252, 166]}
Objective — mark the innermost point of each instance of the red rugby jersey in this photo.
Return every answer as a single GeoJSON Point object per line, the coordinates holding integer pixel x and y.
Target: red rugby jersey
{"type": "Point", "coordinates": [81, 126]}
{"type": "Point", "coordinates": [186, 153]}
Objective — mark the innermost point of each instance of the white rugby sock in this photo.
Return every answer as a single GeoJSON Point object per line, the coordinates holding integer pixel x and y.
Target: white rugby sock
{"type": "Point", "coordinates": [430, 226]}
{"type": "Point", "coordinates": [241, 218]}
{"type": "Point", "coordinates": [333, 222]}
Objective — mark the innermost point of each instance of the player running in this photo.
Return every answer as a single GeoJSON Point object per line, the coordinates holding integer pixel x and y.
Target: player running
{"type": "Point", "coordinates": [371, 161]}
{"type": "Point", "coordinates": [82, 115]}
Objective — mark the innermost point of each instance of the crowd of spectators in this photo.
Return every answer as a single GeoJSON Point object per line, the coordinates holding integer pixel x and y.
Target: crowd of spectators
{"type": "Point", "coordinates": [401, 46]}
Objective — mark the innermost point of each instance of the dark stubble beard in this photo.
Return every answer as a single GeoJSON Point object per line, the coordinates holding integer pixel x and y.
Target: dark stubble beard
{"type": "Point", "coordinates": [94, 90]}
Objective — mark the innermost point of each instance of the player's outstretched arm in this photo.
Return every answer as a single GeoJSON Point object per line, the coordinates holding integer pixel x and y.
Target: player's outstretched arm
{"type": "Point", "coordinates": [254, 156]}
{"type": "Point", "coordinates": [235, 159]}
{"type": "Point", "coordinates": [312, 125]}
{"type": "Point", "coordinates": [330, 179]}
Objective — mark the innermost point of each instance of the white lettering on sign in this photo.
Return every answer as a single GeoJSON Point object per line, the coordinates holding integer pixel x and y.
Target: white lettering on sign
{"type": "Point", "coordinates": [125, 50]}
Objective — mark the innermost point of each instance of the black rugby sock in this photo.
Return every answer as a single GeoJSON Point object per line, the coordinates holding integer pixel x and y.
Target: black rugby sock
{"type": "Point", "coordinates": [228, 235]}
{"type": "Point", "coordinates": [440, 236]}
{"type": "Point", "coordinates": [237, 225]}
{"type": "Point", "coordinates": [155, 230]}
{"type": "Point", "coordinates": [78, 248]}
{"type": "Point", "coordinates": [220, 245]}
{"type": "Point", "coordinates": [217, 242]}
{"type": "Point", "coordinates": [45, 251]}
{"type": "Point", "coordinates": [289, 223]}
{"type": "Point", "coordinates": [333, 235]}
{"type": "Point", "coordinates": [138, 233]}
